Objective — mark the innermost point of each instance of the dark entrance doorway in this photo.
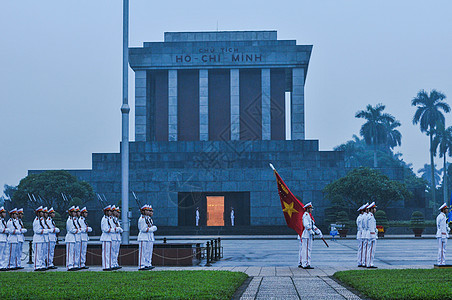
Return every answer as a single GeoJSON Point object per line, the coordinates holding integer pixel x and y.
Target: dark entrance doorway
{"type": "Point", "coordinates": [219, 211]}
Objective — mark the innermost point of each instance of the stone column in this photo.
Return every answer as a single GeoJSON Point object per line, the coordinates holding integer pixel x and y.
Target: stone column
{"type": "Point", "coordinates": [172, 105]}
{"type": "Point", "coordinates": [266, 116]}
{"type": "Point", "coordinates": [140, 106]}
{"type": "Point", "coordinates": [297, 107]}
{"type": "Point", "coordinates": [203, 105]}
{"type": "Point", "coordinates": [235, 105]}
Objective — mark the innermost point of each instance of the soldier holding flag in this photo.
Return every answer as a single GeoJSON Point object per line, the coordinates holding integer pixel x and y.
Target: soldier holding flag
{"type": "Point", "coordinates": [308, 236]}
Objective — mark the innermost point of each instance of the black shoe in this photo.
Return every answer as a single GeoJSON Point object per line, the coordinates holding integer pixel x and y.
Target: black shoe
{"type": "Point", "coordinates": [308, 267]}
{"type": "Point", "coordinates": [53, 267]}
{"type": "Point", "coordinates": [143, 269]}
{"type": "Point", "coordinates": [360, 266]}
{"type": "Point", "coordinates": [85, 267]}
{"type": "Point", "coordinates": [300, 266]}
{"type": "Point", "coordinates": [3, 269]}
{"type": "Point", "coordinates": [151, 267]}
{"type": "Point", "coordinates": [40, 269]}
{"type": "Point", "coordinates": [19, 268]}
{"type": "Point", "coordinates": [372, 267]}
{"type": "Point", "coordinates": [107, 269]}
{"type": "Point", "coordinates": [72, 269]}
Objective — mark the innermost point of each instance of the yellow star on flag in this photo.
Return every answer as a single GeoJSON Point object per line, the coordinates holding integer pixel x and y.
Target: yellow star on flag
{"type": "Point", "coordinates": [289, 209]}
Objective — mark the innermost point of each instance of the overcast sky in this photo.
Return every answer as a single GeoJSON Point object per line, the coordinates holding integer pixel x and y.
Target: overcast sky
{"type": "Point", "coordinates": [60, 68]}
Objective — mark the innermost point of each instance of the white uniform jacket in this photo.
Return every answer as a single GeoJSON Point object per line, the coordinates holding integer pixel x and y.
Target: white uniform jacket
{"type": "Point", "coordinates": [84, 229]}
{"type": "Point", "coordinates": [442, 230]}
{"type": "Point", "coordinates": [72, 230]}
{"type": "Point", "coordinates": [146, 229]}
{"type": "Point", "coordinates": [309, 226]}
{"type": "Point", "coordinates": [359, 226]}
{"type": "Point", "coordinates": [365, 234]}
{"type": "Point", "coordinates": [108, 227]}
{"type": "Point", "coordinates": [3, 230]}
{"type": "Point", "coordinates": [116, 236]}
{"type": "Point", "coordinates": [372, 226]}
{"type": "Point", "coordinates": [39, 231]}
{"type": "Point", "coordinates": [13, 230]}
{"type": "Point", "coordinates": [53, 230]}
{"type": "Point", "coordinates": [20, 237]}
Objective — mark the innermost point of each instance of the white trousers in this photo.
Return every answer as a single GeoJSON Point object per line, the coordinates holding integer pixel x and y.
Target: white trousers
{"type": "Point", "coordinates": [51, 253]}
{"type": "Point", "coordinates": [38, 255]}
{"type": "Point", "coordinates": [115, 249]}
{"type": "Point", "coordinates": [106, 255]}
{"type": "Point", "coordinates": [77, 254]}
{"type": "Point", "coordinates": [4, 252]}
{"type": "Point", "coordinates": [364, 251]}
{"type": "Point", "coordinates": [150, 252]}
{"type": "Point", "coordinates": [197, 222]}
{"type": "Point", "coordinates": [144, 254]}
{"type": "Point", "coordinates": [83, 248]}
{"type": "Point", "coordinates": [300, 251]}
{"type": "Point", "coordinates": [371, 245]}
{"type": "Point", "coordinates": [232, 221]}
{"type": "Point", "coordinates": [72, 255]}
{"type": "Point", "coordinates": [20, 246]}
{"type": "Point", "coordinates": [361, 253]}
{"type": "Point", "coordinates": [45, 254]}
{"type": "Point", "coordinates": [12, 255]}
{"type": "Point", "coordinates": [306, 248]}
{"type": "Point", "coordinates": [442, 243]}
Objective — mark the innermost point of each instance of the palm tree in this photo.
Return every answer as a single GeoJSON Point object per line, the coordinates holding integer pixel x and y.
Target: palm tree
{"type": "Point", "coordinates": [394, 137]}
{"type": "Point", "coordinates": [428, 114]}
{"type": "Point", "coordinates": [443, 141]}
{"type": "Point", "coordinates": [374, 130]}
{"type": "Point", "coordinates": [425, 174]}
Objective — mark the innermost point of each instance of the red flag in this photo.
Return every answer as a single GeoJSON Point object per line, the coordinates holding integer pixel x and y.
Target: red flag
{"type": "Point", "coordinates": [292, 208]}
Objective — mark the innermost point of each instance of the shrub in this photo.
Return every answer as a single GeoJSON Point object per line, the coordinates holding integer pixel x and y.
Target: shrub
{"type": "Point", "coordinates": [342, 218]}
{"type": "Point", "coordinates": [417, 220]}
{"type": "Point", "coordinates": [380, 217]}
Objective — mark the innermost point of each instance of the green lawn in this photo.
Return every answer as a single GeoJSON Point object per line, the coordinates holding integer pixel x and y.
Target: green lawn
{"type": "Point", "coordinates": [120, 285]}
{"type": "Point", "coordinates": [400, 284]}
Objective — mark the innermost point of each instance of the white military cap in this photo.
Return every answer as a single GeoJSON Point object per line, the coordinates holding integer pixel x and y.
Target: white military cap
{"type": "Point", "coordinates": [38, 209]}
{"type": "Point", "coordinates": [84, 209]}
{"type": "Point", "coordinates": [2, 209]}
{"type": "Point", "coordinates": [108, 207]}
{"type": "Point", "coordinates": [443, 206]}
{"type": "Point", "coordinates": [307, 205]}
{"type": "Point", "coordinates": [372, 205]}
{"type": "Point", "coordinates": [20, 210]}
{"type": "Point", "coordinates": [113, 207]}
{"type": "Point", "coordinates": [72, 208]}
{"type": "Point", "coordinates": [51, 210]}
{"type": "Point", "coordinates": [13, 211]}
{"type": "Point", "coordinates": [363, 207]}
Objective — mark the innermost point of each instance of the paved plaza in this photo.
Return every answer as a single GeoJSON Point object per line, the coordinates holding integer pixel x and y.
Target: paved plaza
{"type": "Point", "coordinates": [272, 263]}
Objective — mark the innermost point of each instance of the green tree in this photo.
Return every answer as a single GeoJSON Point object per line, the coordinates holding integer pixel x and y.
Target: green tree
{"type": "Point", "coordinates": [443, 142]}
{"type": "Point", "coordinates": [374, 130]}
{"type": "Point", "coordinates": [363, 185]}
{"type": "Point", "coordinates": [425, 172]}
{"type": "Point", "coordinates": [428, 114]}
{"type": "Point", "coordinates": [48, 187]}
{"type": "Point", "coordinates": [394, 137]}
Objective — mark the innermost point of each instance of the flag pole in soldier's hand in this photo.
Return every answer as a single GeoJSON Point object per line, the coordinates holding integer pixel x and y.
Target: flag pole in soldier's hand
{"type": "Point", "coordinates": [325, 242]}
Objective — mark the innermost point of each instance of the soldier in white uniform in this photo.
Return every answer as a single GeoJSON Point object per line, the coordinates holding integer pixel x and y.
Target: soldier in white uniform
{"type": "Point", "coordinates": [20, 237]}
{"type": "Point", "coordinates": [372, 242]}
{"type": "Point", "coordinates": [52, 237]}
{"type": "Point", "coordinates": [232, 216]}
{"type": "Point", "coordinates": [72, 252]}
{"type": "Point", "coordinates": [197, 216]}
{"type": "Point", "coordinates": [116, 237]}
{"type": "Point", "coordinates": [39, 241]}
{"type": "Point", "coordinates": [84, 229]}
{"type": "Point", "coordinates": [365, 235]}
{"type": "Point", "coordinates": [308, 236]}
{"type": "Point", "coordinates": [45, 248]}
{"type": "Point", "coordinates": [144, 239]}
{"type": "Point", "coordinates": [152, 230]}
{"type": "Point", "coordinates": [359, 226]}
{"type": "Point", "coordinates": [108, 228]}
{"type": "Point", "coordinates": [442, 234]}
{"type": "Point", "coordinates": [13, 231]}
{"type": "Point", "coordinates": [3, 239]}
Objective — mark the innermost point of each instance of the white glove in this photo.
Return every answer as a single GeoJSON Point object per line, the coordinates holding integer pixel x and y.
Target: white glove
{"type": "Point", "coordinates": [153, 228]}
{"type": "Point", "coordinates": [57, 230]}
{"type": "Point", "coordinates": [89, 229]}
{"type": "Point", "coordinates": [448, 229]}
{"type": "Point", "coordinates": [45, 231]}
{"type": "Point", "coordinates": [23, 230]}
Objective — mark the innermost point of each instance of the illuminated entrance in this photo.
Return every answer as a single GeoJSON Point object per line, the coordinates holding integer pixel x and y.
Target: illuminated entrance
{"type": "Point", "coordinates": [215, 210]}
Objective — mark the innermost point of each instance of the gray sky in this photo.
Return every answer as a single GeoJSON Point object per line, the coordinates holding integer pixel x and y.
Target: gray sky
{"type": "Point", "coordinates": [60, 68]}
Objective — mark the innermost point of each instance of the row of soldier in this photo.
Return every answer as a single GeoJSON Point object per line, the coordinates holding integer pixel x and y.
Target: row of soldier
{"type": "Point", "coordinates": [45, 238]}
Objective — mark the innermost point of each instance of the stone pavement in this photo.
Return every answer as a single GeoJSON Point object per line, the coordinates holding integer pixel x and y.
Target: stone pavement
{"type": "Point", "coordinates": [272, 263]}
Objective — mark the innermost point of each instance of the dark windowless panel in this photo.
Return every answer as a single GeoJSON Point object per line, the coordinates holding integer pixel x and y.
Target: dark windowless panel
{"type": "Point", "coordinates": [250, 105]}
{"type": "Point", "coordinates": [219, 105]}
{"type": "Point", "coordinates": [159, 105]}
{"type": "Point", "coordinates": [188, 105]}
{"type": "Point", "coordinates": [277, 104]}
